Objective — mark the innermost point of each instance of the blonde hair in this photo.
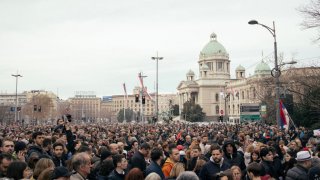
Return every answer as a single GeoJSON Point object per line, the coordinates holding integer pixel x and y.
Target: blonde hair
{"type": "Point", "coordinates": [176, 170]}
{"type": "Point", "coordinates": [41, 165]}
{"type": "Point", "coordinates": [153, 176]}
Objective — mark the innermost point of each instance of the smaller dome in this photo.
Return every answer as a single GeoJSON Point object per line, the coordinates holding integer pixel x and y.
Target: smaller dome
{"type": "Point", "coordinates": [262, 68]}
{"type": "Point", "coordinates": [213, 47]}
{"type": "Point", "coordinates": [204, 67]}
{"type": "Point", "coordinates": [190, 73]}
{"type": "Point", "coordinates": [240, 68]}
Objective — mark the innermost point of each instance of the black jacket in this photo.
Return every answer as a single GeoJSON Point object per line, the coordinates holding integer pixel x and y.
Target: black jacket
{"type": "Point", "coordinates": [138, 161]}
{"type": "Point", "coordinates": [234, 159]}
{"type": "Point", "coordinates": [36, 150]}
{"type": "Point", "coordinates": [114, 175]}
{"type": "Point", "coordinates": [154, 167]}
{"type": "Point", "coordinates": [59, 161]}
{"type": "Point", "coordinates": [210, 169]}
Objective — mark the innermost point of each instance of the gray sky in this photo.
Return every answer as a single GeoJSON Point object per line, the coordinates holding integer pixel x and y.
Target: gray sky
{"type": "Point", "coordinates": [96, 45]}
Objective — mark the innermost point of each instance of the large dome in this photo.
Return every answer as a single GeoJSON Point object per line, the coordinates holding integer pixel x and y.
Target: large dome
{"type": "Point", "coordinates": [262, 68]}
{"type": "Point", "coordinates": [213, 47]}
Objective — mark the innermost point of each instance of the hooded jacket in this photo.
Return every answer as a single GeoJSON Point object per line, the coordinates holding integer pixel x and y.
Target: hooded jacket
{"type": "Point", "coordinates": [211, 169]}
{"type": "Point", "coordinates": [234, 159]}
{"type": "Point", "coordinates": [167, 167]}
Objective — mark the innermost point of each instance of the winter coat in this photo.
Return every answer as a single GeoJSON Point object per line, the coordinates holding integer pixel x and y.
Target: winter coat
{"type": "Point", "coordinates": [210, 169]}
{"type": "Point", "coordinates": [167, 167]}
{"type": "Point", "coordinates": [114, 175]}
{"type": "Point", "coordinates": [297, 173]}
{"type": "Point", "coordinates": [138, 161]}
{"type": "Point", "coordinates": [154, 167]}
{"type": "Point", "coordinates": [234, 159]}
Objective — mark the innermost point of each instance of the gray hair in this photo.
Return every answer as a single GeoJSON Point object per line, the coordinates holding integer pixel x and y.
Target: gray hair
{"type": "Point", "coordinates": [187, 175]}
{"type": "Point", "coordinates": [79, 160]}
{"type": "Point", "coordinates": [153, 176]}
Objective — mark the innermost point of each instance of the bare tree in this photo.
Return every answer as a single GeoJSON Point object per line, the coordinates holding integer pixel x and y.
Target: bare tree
{"type": "Point", "coordinates": [311, 13]}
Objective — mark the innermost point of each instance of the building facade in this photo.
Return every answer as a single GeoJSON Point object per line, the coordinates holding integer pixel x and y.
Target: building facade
{"type": "Point", "coordinates": [214, 90]}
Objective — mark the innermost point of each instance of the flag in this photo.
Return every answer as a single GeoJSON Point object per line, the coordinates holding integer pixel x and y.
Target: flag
{"type": "Point", "coordinates": [284, 116]}
{"type": "Point", "coordinates": [125, 90]}
{"type": "Point", "coordinates": [144, 88]}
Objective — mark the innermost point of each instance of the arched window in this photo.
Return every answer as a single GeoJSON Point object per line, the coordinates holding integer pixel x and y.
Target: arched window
{"type": "Point", "coordinates": [254, 93]}
{"type": "Point", "coordinates": [232, 109]}
{"type": "Point", "coordinates": [242, 94]}
{"type": "Point", "coordinates": [217, 109]}
{"type": "Point", "coordinates": [217, 97]}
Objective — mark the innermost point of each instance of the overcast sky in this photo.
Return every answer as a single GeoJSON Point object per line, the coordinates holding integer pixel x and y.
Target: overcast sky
{"type": "Point", "coordinates": [96, 45]}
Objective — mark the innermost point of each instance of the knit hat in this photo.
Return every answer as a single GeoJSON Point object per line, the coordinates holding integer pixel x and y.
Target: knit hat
{"type": "Point", "coordinates": [105, 154]}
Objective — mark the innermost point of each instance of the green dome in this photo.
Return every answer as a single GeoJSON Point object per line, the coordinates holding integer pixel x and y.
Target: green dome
{"type": "Point", "coordinates": [262, 68]}
{"type": "Point", "coordinates": [240, 68]}
{"type": "Point", "coordinates": [213, 47]}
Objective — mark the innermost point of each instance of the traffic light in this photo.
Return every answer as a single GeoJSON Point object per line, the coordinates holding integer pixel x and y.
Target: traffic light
{"type": "Point", "coordinates": [143, 100]}
{"type": "Point", "coordinates": [137, 98]}
{"type": "Point", "coordinates": [18, 108]}
{"type": "Point", "coordinates": [35, 108]}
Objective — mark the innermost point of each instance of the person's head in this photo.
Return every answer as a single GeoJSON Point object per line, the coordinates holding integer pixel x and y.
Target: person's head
{"type": "Point", "coordinates": [204, 139]}
{"type": "Point", "coordinates": [304, 159]}
{"type": "Point", "coordinates": [114, 148]}
{"type": "Point", "coordinates": [176, 170]}
{"type": "Point", "coordinates": [199, 164]}
{"type": "Point", "coordinates": [195, 151]}
{"type": "Point", "coordinates": [46, 174]}
{"type": "Point", "coordinates": [255, 156]}
{"type": "Point", "coordinates": [120, 162]}
{"type": "Point", "coordinates": [254, 169]}
{"type": "Point", "coordinates": [106, 167]}
{"type": "Point", "coordinates": [134, 174]}
{"type": "Point", "coordinates": [266, 154]}
{"type": "Point", "coordinates": [156, 154]}
{"type": "Point", "coordinates": [41, 165]}
{"type": "Point", "coordinates": [5, 161]}
{"type": "Point", "coordinates": [187, 175]}
{"type": "Point", "coordinates": [188, 138]}
{"type": "Point", "coordinates": [60, 173]}
{"type": "Point", "coordinates": [153, 176]}
{"type": "Point", "coordinates": [38, 138]}
{"type": "Point", "coordinates": [225, 175]}
{"type": "Point", "coordinates": [216, 153]}
{"type": "Point", "coordinates": [120, 146]}
{"type": "Point", "coordinates": [81, 163]}
{"type": "Point", "coordinates": [60, 121]}
{"type": "Point", "coordinates": [236, 172]}
{"type": "Point", "coordinates": [7, 146]}
{"type": "Point", "coordinates": [18, 170]}
{"type": "Point", "coordinates": [20, 146]}
{"type": "Point", "coordinates": [144, 149]}
{"type": "Point", "coordinates": [174, 154]}
{"type": "Point", "coordinates": [105, 154]}
{"type": "Point", "coordinates": [293, 145]}
{"type": "Point", "coordinates": [47, 144]}
{"type": "Point", "coordinates": [58, 149]}
{"type": "Point", "coordinates": [135, 145]}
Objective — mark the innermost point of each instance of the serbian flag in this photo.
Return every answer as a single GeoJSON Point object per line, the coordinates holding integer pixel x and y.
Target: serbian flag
{"type": "Point", "coordinates": [284, 116]}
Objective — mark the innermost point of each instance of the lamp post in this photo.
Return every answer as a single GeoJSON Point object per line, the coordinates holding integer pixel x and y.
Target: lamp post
{"type": "Point", "coordinates": [276, 70]}
{"type": "Point", "coordinates": [157, 58]}
{"type": "Point", "coordinates": [15, 109]}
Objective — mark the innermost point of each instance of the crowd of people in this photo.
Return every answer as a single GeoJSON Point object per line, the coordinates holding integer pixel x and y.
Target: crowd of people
{"type": "Point", "coordinates": [158, 152]}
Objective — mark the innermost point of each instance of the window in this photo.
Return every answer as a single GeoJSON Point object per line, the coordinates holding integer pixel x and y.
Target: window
{"type": "Point", "coordinates": [219, 66]}
{"type": "Point", "coordinates": [242, 94]}
{"type": "Point", "coordinates": [209, 64]}
{"type": "Point", "coordinates": [217, 97]}
{"type": "Point", "coordinates": [217, 109]}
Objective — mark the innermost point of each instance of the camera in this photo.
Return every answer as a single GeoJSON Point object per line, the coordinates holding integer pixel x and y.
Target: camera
{"type": "Point", "coordinates": [67, 117]}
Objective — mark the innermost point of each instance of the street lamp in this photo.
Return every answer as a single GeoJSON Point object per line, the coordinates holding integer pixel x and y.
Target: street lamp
{"type": "Point", "coordinates": [276, 70]}
{"type": "Point", "coordinates": [15, 109]}
{"type": "Point", "coordinates": [157, 58]}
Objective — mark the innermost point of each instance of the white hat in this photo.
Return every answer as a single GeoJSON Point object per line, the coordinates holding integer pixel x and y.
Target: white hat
{"type": "Point", "coordinates": [303, 156]}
